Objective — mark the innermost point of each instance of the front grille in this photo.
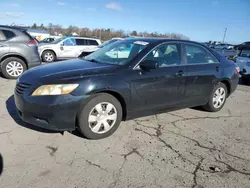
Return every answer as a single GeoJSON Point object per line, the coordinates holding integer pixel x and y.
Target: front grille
{"type": "Point", "coordinates": [21, 87]}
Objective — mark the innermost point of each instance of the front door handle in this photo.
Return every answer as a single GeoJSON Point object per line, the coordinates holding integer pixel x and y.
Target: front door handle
{"type": "Point", "coordinates": [1, 45]}
{"type": "Point", "coordinates": [180, 73]}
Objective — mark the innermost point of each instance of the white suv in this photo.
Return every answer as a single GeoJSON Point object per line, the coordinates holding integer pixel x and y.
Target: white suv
{"type": "Point", "coordinates": [67, 47]}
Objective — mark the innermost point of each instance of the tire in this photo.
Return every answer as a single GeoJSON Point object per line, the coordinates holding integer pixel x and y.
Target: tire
{"type": "Point", "coordinates": [93, 128]}
{"type": "Point", "coordinates": [48, 56]}
{"type": "Point", "coordinates": [212, 105]}
{"type": "Point", "coordinates": [13, 67]}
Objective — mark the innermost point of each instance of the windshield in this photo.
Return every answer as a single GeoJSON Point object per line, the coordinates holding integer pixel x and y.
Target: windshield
{"type": "Point", "coordinates": [108, 42]}
{"type": "Point", "coordinates": [118, 53]}
{"type": "Point", "coordinates": [58, 40]}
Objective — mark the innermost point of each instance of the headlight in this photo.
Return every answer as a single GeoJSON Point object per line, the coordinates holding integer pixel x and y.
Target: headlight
{"type": "Point", "coordinates": [61, 89]}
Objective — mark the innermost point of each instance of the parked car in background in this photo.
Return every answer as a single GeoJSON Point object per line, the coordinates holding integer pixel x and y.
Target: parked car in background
{"type": "Point", "coordinates": [47, 40]}
{"type": "Point", "coordinates": [18, 51]}
{"type": "Point", "coordinates": [93, 94]}
{"type": "Point", "coordinates": [242, 46]}
{"type": "Point", "coordinates": [223, 46]}
{"type": "Point", "coordinates": [85, 53]}
{"type": "Point", "coordinates": [67, 47]}
{"type": "Point", "coordinates": [243, 61]}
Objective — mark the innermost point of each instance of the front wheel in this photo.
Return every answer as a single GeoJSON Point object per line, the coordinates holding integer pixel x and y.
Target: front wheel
{"type": "Point", "coordinates": [100, 117]}
{"type": "Point", "coordinates": [217, 98]}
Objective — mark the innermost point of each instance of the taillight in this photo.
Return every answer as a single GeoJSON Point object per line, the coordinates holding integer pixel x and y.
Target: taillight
{"type": "Point", "coordinates": [237, 69]}
{"type": "Point", "coordinates": [32, 43]}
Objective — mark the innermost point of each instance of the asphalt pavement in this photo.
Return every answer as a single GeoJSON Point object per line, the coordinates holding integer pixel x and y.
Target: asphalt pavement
{"type": "Point", "coordinates": [185, 148]}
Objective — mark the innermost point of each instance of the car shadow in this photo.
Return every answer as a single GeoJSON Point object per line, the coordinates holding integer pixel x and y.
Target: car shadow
{"type": "Point", "coordinates": [11, 108]}
{"type": "Point", "coordinates": [1, 164]}
{"type": "Point", "coordinates": [241, 82]}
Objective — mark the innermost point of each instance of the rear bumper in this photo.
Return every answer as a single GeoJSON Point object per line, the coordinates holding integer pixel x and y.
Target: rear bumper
{"type": "Point", "coordinates": [49, 112]}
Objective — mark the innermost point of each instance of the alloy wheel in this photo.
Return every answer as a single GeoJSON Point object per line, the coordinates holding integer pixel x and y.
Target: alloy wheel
{"type": "Point", "coordinates": [219, 97]}
{"type": "Point", "coordinates": [102, 117]}
{"type": "Point", "coordinates": [49, 56]}
{"type": "Point", "coordinates": [14, 68]}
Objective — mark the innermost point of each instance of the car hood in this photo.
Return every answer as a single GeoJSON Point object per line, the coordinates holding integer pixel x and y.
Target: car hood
{"type": "Point", "coordinates": [65, 70]}
{"type": "Point", "coordinates": [45, 45]}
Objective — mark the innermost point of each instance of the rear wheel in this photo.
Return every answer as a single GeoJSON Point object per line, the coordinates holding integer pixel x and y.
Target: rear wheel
{"type": "Point", "coordinates": [13, 67]}
{"type": "Point", "coordinates": [217, 98]}
{"type": "Point", "coordinates": [48, 56]}
{"type": "Point", "coordinates": [100, 117]}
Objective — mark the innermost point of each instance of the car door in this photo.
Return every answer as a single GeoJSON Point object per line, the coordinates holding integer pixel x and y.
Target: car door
{"type": "Point", "coordinates": [4, 44]}
{"type": "Point", "coordinates": [68, 48]}
{"type": "Point", "coordinates": [163, 87]}
{"type": "Point", "coordinates": [203, 69]}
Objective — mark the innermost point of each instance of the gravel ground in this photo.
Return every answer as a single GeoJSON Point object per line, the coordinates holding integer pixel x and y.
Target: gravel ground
{"type": "Point", "coordinates": [185, 148]}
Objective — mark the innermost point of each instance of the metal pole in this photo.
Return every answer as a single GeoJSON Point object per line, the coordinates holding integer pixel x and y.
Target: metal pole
{"type": "Point", "coordinates": [225, 32]}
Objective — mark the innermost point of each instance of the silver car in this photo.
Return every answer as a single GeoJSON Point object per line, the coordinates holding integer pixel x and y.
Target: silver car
{"type": "Point", "coordinates": [18, 51]}
{"type": "Point", "coordinates": [67, 47]}
{"type": "Point", "coordinates": [243, 61]}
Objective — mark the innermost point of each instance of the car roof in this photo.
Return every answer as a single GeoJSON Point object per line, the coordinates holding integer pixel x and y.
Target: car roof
{"type": "Point", "coordinates": [81, 37]}
{"type": "Point", "coordinates": [13, 27]}
{"type": "Point", "coordinates": [160, 40]}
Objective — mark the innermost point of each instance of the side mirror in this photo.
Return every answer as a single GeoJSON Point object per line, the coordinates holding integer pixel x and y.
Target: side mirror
{"type": "Point", "coordinates": [149, 64]}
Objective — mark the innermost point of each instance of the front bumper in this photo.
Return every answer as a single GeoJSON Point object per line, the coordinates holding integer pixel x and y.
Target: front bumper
{"type": "Point", "coordinates": [49, 112]}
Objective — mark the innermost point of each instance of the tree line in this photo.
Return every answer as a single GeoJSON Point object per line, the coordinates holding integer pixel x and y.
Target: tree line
{"type": "Point", "coordinates": [103, 34]}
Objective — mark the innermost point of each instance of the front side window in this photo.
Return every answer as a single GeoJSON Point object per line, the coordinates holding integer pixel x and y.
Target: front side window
{"type": "Point", "coordinates": [165, 55]}
{"type": "Point", "coordinates": [69, 42]}
{"type": "Point", "coordinates": [118, 53]}
{"type": "Point", "coordinates": [198, 55]}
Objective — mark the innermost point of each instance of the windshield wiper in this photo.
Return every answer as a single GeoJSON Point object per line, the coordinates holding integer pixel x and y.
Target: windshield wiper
{"type": "Point", "coordinates": [92, 60]}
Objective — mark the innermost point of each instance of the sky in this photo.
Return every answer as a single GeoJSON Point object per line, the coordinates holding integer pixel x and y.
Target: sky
{"type": "Point", "coordinates": [200, 20]}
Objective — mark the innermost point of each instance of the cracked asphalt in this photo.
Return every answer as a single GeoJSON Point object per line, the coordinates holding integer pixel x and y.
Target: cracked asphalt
{"type": "Point", "coordinates": [185, 148]}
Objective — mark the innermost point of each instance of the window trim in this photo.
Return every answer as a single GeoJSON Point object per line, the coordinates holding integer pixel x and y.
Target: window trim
{"type": "Point", "coordinates": [194, 44]}
{"type": "Point", "coordinates": [137, 67]}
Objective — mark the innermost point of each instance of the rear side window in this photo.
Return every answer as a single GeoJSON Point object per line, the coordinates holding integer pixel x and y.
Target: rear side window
{"type": "Point", "coordinates": [93, 42]}
{"type": "Point", "coordinates": [198, 55]}
{"type": "Point", "coordinates": [80, 42]}
{"type": "Point", "coordinates": [8, 34]}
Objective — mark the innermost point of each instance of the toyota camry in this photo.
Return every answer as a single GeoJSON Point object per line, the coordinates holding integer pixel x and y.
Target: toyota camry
{"type": "Point", "coordinates": [124, 80]}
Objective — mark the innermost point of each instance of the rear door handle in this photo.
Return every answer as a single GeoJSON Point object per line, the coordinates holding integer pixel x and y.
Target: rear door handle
{"type": "Point", "coordinates": [1, 45]}
{"type": "Point", "coordinates": [180, 73]}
